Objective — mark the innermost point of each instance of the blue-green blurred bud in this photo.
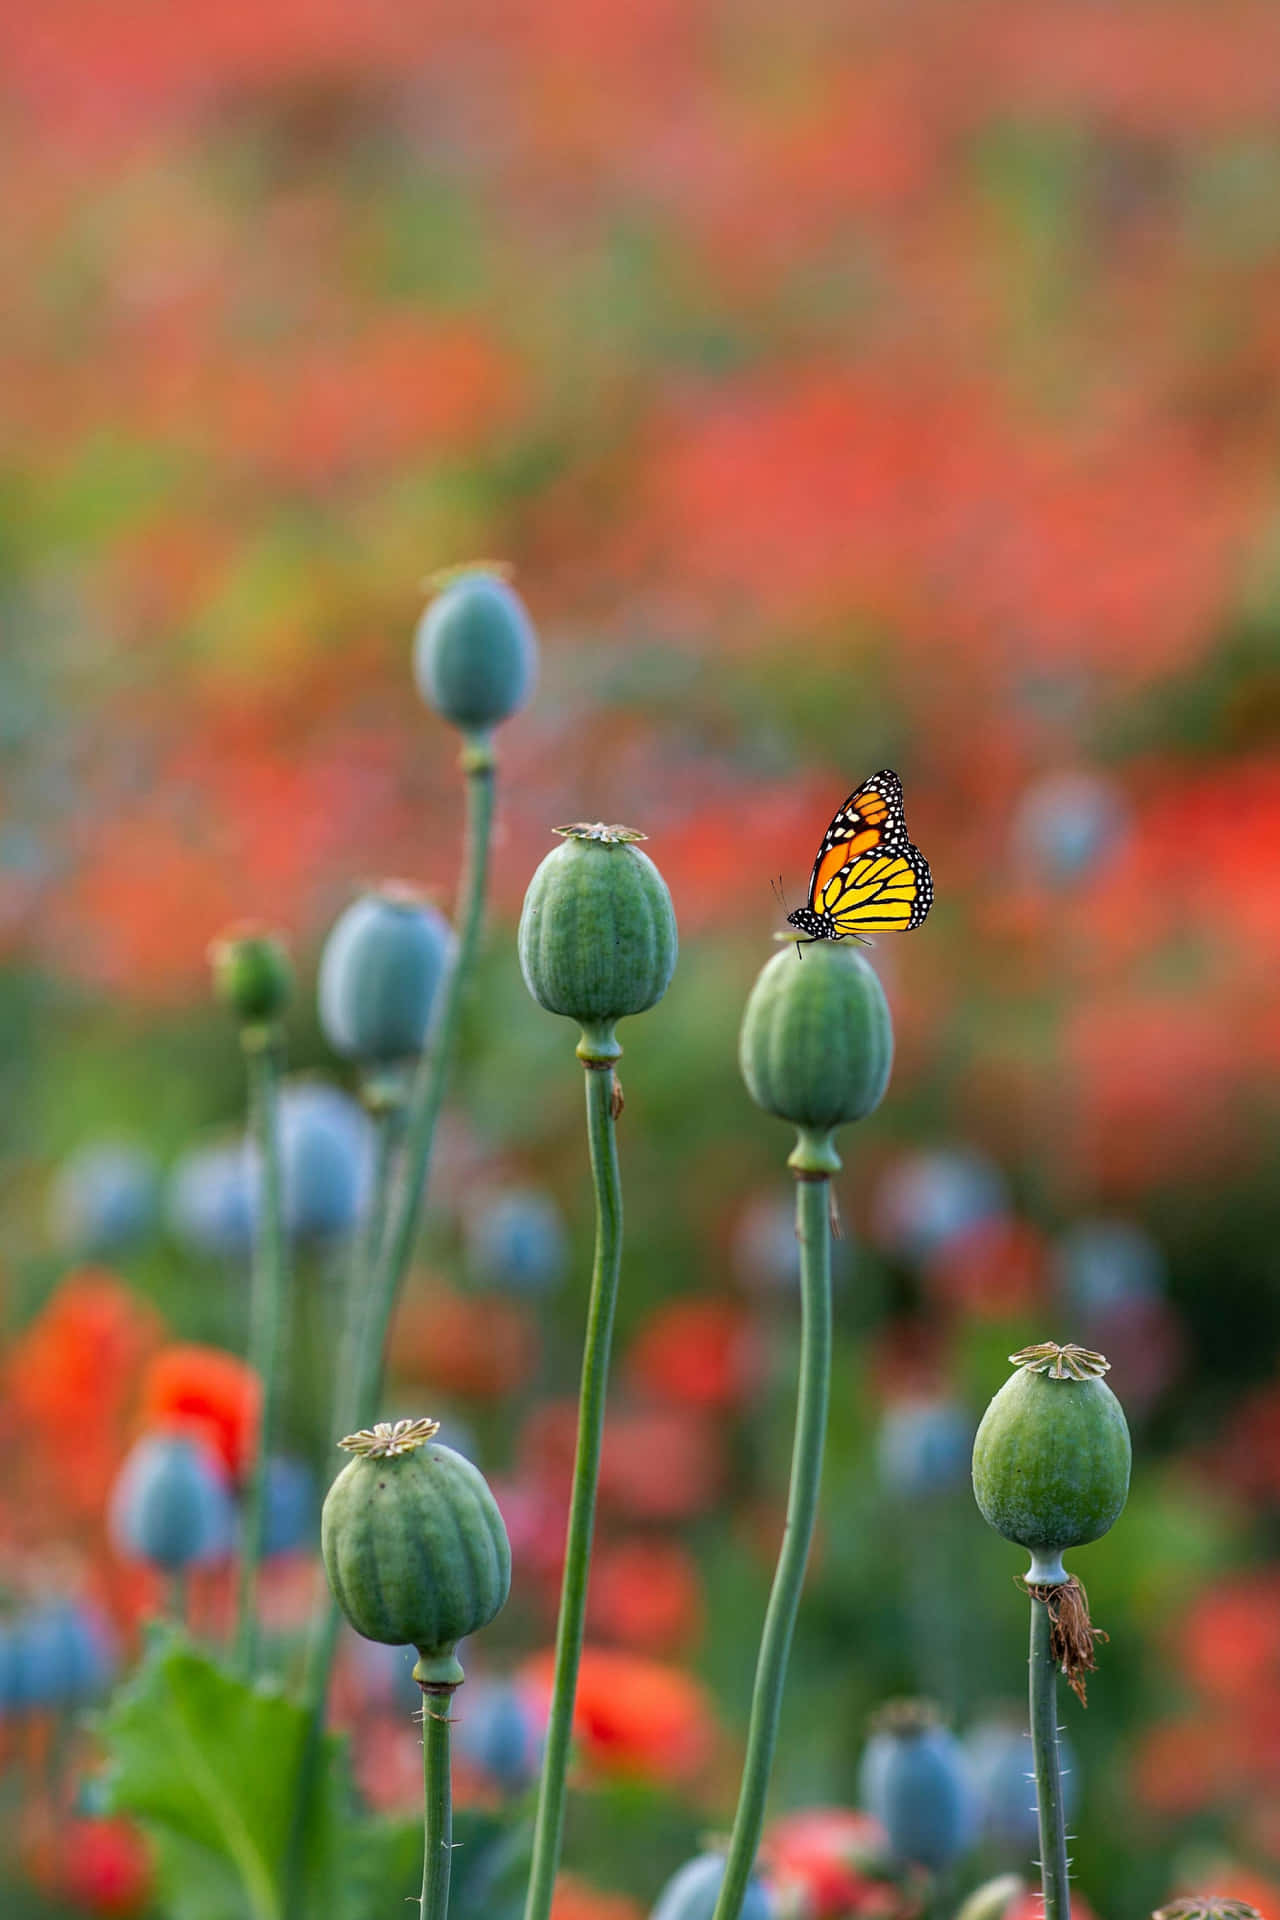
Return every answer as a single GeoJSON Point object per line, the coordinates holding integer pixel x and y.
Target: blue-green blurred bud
{"type": "Point", "coordinates": [326, 1160]}
{"type": "Point", "coordinates": [103, 1199]}
{"type": "Point", "coordinates": [210, 1204]}
{"type": "Point", "coordinates": [517, 1240]}
{"type": "Point", "coordinates": [170, 1505]}
{"type": "Point", "coordinates": [691, 1893]}
{"type": "Point", "coordinates": [923, 1447]}
{"type": "Point", "coordinates": [915, 1779]}
{"type": "Point", "coordinates": [1000, 1763]}
{"type": "Point", "coordinates": [475, 654]}
{"type": "Point", "coordinates": [380, 972]}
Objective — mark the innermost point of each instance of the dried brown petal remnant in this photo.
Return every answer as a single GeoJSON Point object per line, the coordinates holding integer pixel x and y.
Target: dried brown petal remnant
{"type": "Point", "coordinates": [1072, 1636]}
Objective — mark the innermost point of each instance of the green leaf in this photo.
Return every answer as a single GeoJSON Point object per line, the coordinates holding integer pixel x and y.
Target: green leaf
{"type": "Point", "coordinates": [208, 1767]}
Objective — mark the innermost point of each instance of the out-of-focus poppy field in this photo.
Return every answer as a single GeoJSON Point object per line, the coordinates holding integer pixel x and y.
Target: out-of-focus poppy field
{"type": "Point", "coordinates": [845, 387]}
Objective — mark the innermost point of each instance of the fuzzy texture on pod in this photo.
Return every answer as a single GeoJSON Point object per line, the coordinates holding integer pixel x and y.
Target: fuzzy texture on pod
{"type": "Point", "coordinates": [816, 1045]}
{"type": "Point", "coordinates": [475, 654]}
{"type": "Point", "coordinates": [915, 1780]}
{"type": "Point", "coordinates": [252, 976]}
{"type": "Point", "coordinates": [381, 968]}
{"type": "Point", "coordinates": [692, 1891]}
{"type": "Point", "coordinates": [415, 1548]}
{"type": "Point", "coordinates": [597, 937]}
{"type": "Point", "coordinates": [1051, 1463]}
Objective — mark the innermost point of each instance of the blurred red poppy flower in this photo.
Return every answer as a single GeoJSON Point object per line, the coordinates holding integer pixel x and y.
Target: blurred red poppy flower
{"type": "Point", "coordinates": [105, 1866]}
{"type": "Point", "coordinates": [658, 1463]}
{"type": "Point", "coordinates": [76, 1368]}
{"type": "Point", "coordinates": [576, 1900]}
{"type": "Point", "coordinates": [83, 1351]}
{"type": "Point", "coordinates": [1182, 1765]}
{"type": "Point", "coordinates": [633, 1715]}
{"type": "Point", "coordinates": [703, 1352]}
{"type": "Point", "coordinates": [646, 1594]}
{"type": "Point", "coordinates": [209, 1392]}
{"type": "Point", "coordinates": [996, 1269]}
{"type": "Point", "coordinates": [1231, 1639]}
{"type": "Point", "coordinates": [837, 1858]}
{"type": "Point", "coordinates": [458, 1344]}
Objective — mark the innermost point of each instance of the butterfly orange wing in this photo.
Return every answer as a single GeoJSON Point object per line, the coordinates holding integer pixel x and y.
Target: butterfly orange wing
{"type": "Point", "coordinates": [868, 876]}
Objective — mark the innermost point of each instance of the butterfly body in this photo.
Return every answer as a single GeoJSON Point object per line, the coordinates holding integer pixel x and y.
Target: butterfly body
{"type": "Point", "coordinates": [868, 877]}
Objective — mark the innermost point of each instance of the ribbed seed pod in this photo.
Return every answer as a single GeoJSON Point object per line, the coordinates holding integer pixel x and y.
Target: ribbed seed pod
{"type": "Point", "coordinates": [597, 936]}
{"type": "Point", "coordinates": [1052, 1455]}
{"type": "Point", "coordinates": [816, 1045]}
{"type": "Point", "coordinates": [381, 968]}
{"type": "Point", "coordinates": [414, 1545]}
{"type": "Point", "coordinates": [475, 654]}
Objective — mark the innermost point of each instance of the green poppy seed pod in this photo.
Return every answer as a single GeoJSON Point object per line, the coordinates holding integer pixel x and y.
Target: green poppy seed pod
{"type": "Point", "coordinates": [816, 1045]}
{"type": "Point", "coordinates": [475, 654]}
{"type": "Point", "coordinates": [1052, 1455]}
{"type": "Point", "coordinates": [382, 966]}
{"type": "Point", "coordinates": [414, 1545]}
{"type": "Point", "coordinates": [597, 937]}
{"type": "Point", "coordinates": [252, 975]}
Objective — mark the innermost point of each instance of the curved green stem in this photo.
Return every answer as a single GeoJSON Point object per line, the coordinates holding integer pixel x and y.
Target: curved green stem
{"type": "Point", "coordinates": [1048, 1766]}
{"type": "Point", "coordinates": [549, 1820]}
{"type": "Point", "coordinates": [813, 1228]}
{"type": "Point", "coordinates": [437, 1831]}
{"type": "Point", "coordinates": [405, 1205]}
{"type": "Point", "coordinates": [394, 1237]}
{"type": "Point", "coordinates": [268, 1303]}
{"type": "Point", "coordinates": [350, 1395]}
{"type": "Point", "coordinates": [352, 1389]}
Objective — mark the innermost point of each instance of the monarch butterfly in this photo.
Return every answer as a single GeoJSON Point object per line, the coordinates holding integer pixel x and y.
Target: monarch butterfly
{"type": "Point", "coordinates": [867, 878]}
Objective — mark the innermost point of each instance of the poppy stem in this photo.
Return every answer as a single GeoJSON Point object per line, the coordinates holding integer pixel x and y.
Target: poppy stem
{"type": "Point", "coordinates": [406, 1194]}
{"type": "Point", "coordinates": [437, 1850]}
{"type": "Point", "coordinates": [549, 1819]}
{"type": "Point", "coordinates": [392, 1232]}
{"type": "Point", "coordinates": [268, 1304]}
{"type": "Point", "coordinates": [813, 1230]}
{"type": "Point", "coordinates": [1054, 1877]}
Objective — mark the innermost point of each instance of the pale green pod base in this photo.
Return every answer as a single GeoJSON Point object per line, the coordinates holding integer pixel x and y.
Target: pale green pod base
{"type": "Point", "coordinates": [439, 1669]}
